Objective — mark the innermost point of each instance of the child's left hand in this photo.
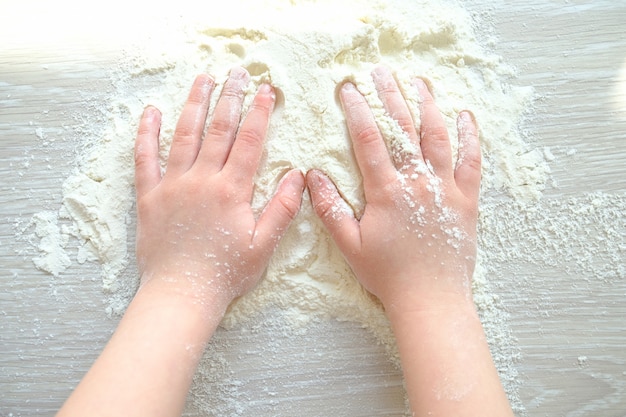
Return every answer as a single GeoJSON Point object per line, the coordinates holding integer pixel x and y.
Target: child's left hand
{"type": "Point", "coordinates": [197, 234]}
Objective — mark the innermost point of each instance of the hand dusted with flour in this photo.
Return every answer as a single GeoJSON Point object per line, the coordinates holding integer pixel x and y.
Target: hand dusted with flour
{"type": "Point", "coordinates": [414, 247]}
{"type": "Point", "coordinates": [197, 232]}
{"type": "Point", "coordinates": [417, 233]}
{"type": "Point", "coordinates": [198, 247]}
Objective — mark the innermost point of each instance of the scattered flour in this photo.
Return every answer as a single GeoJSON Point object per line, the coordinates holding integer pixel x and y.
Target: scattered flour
{"type": "Point", "coordinates": [305, 48]}
{"type": "Point", "coordinates": [583, 235]}
{"type": "Point", "coordinates": [53, 240]}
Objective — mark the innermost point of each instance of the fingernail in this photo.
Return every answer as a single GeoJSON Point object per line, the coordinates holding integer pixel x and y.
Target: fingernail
{"type": "Point", "coordinates": [467, 116]}
{"type": "Point", "coordinates": [318, 180]}
{"type": "Point", "coordinates": [151, 112]}
{"type": "Point", "coordinates": [266, 88]}
{"type": "Point", "coordinates": [297, 183]}
{"type": "Point", "coordinates": [422, 87]}
{"type": "Point", "coordinates": [349, 86]}
{"type": "Point", "coordinates": [313, 176]}
{"type": "Point", "coordinates": [208, 79]}
{"type": "Point", "coordinates": [205, 83]}
{"type": "Point", "coordinates": [419, 83]}
{"type": "Point", "coordinates": [238, 73]}
{"type": "Point", "coordinates": [380, 72]}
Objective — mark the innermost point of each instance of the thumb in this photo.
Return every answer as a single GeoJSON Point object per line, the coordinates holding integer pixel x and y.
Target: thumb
{"type": "Point", "coordinates": [280, 210]}
{"type": "Point", "coordinates": [334, 212]}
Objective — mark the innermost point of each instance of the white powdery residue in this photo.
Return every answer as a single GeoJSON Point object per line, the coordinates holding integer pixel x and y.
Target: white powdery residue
{"type": "Point", "coordinates": [581, 235]}
{"type": "Point", "coordinates": [417, 217]}
{"type": "Point", "coordinates": [548, 155]}
{"type": "Point", "coordinates": [98, 198]}
{"type": "Point", "coordinates": [227, 396]}
{"type": "Point", "coordinates": [53, 241]}
{"type": "Point", "coordinates": [408, 195]}
{"type": "Point", "coordinates": [448, 215]}
{"type": "Point", "coordinates": [434, 185]}
{"type": "Point", "coordinates": [399, 143]}
{"type": "Point", "coordinates": [39, 133]}
{"type": "Point", "coordinates": [455, 236]}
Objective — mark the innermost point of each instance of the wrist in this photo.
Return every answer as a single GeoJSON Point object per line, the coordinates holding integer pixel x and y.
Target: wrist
{"type": "Point", "coordinates": [429, 303]}
{"type": "Point", "coordinates": [446, 360]}
{"type": "Point", "coordinates": [182, 297]}
{"type": "Point", "coordinates": [157, 346]}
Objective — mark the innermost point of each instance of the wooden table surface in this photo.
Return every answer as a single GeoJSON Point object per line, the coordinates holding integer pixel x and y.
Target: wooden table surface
{"type": "Point", "coordinates": [567, 318]}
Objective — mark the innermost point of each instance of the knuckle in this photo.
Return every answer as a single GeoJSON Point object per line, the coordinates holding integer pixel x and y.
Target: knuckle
{"type": "Point", "coordinates": [142, 158]}
{"type": "Point", "coordinates": [225, 192]}
{"type": "Point", "coordinates": [389, 89]}
{"type": "Point", "coordinates": [232, 92]}
{"type": "Point", "coordinates": [145, 129]}
{"type": "Point", "coordinates": [250, 137]}
{"type": "Point", "coordinates": [426, 98]}
{"type": "Point", "coordinates": [184, 133]}
{"type": "Point", "coordinates": [326, 209]}
{"type": "Point", "coordinates": [220, 127]}
{"type": "Point", "coordinates": [405, 123]}
{"type": "Point", "coordinates": [367, 134]}
{"type": "Point", "coordinates": [438, 134]}
{"type": "Point", "coordinates": [287, 206]}
{"type": "Point", "coordinates": [353, 102]}
{"type": "Point", "coordinates": [471, 161]}
{"type": "Point", "coordinates": [322, 208]}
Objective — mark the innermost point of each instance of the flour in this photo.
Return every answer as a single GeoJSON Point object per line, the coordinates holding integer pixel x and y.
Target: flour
{"type": "Point", "coordinates": [578, 235]}
{"type": "Point", "coordinates": [53, 257]}
{"type": "Point", "coordinates": [305, 49]}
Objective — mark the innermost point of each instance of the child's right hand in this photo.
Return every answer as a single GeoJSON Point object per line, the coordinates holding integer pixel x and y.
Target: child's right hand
{"type": "Point", "coordinates": [415, 248]}
{"type": "Point", "coordinates": [416, 240]}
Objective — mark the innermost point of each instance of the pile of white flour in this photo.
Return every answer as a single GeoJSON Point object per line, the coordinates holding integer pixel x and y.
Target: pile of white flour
{"type": "Point", "coordinates": [305, 49]}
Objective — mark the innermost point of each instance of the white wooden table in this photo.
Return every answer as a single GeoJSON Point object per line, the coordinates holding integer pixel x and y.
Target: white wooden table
{"type": "Point", "coordinates": [569, 323]}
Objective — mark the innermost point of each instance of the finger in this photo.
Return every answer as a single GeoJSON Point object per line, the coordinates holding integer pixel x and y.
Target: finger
{"type": "Point", "coordinates": [226, 117]}
{"type": "Point", "coordinates": [280, 211]}
{"type": "Point", "coordinates": [188, 133]}
{"type": "Point", "coordinates": [245, 155]}
{"type": "Point", "coordinates": [468, 165]}
{"type": "Point", "coordinates": [369, 147]}
{"type": "Point", "coordinates": [147, 167]}
{"type": "Point", "coordinates": [434, 139]}
{"type": "Point", "coordinates": [396, 107]}
{"type": "Point", "coordinates": [335, 213]}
